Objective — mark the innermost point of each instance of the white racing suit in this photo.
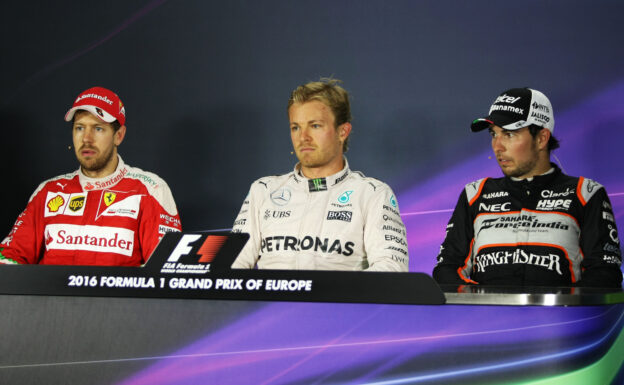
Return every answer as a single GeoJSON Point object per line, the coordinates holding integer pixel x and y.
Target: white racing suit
{"type": "Point", "coordinates": [345, 221]}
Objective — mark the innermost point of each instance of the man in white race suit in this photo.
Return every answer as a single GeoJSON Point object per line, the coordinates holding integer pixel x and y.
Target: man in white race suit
{"type": "Point", "coordinates": [322, 215]}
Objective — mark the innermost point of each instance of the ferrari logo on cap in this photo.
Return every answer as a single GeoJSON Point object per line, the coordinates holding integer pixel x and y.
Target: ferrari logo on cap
{"type": "Point", "coordinates": [109, 198]}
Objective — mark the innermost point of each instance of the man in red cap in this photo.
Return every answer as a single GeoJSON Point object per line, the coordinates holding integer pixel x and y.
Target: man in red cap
{"type": "Point", "coordinates": [106, 212]}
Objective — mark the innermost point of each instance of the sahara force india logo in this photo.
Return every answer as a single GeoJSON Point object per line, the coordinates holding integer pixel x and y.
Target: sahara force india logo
{"type": "Point", "coordinates": [521, 222]}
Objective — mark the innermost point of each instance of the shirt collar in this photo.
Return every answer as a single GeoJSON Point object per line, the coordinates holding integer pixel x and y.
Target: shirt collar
{"type": "Point", "coordinates": [322, 184]}
{"type": "Point", "coordinates": [89, 183]}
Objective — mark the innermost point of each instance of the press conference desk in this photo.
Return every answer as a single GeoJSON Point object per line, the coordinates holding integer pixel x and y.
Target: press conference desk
{"type": "Point", "coordinates": [475, 338]}
{"type": "Point", "coordinates": [111, 325]}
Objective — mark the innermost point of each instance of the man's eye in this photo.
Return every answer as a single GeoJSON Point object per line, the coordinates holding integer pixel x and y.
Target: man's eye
{"type": "Point", "coordinates": [316, 126]}
{"type": "Point", "coordinates": [294, 128]}
{"type": "Point", "coordinates": [98, 128]}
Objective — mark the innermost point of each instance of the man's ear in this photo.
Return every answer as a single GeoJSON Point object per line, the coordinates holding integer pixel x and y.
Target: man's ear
{"type": "Point", "coordinates": [543, 136]}
{"type": "Point", "coordinates": [344, 130]}
{"type": "Point", "coordinates": [119, 135]}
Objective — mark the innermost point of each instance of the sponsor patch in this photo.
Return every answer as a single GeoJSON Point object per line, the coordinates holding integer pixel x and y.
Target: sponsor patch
{"type": "Point", "coordinates": [519, 256]}
{"type": "Point", "coordinates": [339, 216]}
{"type": "Point", "coordinates": [162, 229]}
{"type": "Point", "coordinates": [608, 216]}
{"type": "Point", "coordinates": [345, 197]}
{"type": "Point", "coordinates": [65, 204]}
{"type": "Point", "coordinates": [497, 194]}
{"type": "Point", "coordinates": [77, 203]}
{"type": "Point", "coordinates": [89, 238]}
{"type": "Point", "coordinates": [324, 245]}
{"type": "Point", "coordinates": [317, 184]}
{"type": "Point", "coordinates": [557, 194]}
{"type": "Point", "coordinates": [55, 204]}
{"type": "Point", "coordinates": [495, 208]}
{"type": "Point", "coordinates": [554, 204]}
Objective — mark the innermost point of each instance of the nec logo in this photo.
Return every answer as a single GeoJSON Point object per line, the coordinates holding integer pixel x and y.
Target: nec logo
{"type": "Point", "coordinates": [495, 208]}
{"type": "Point", "coordinates": [207, 251]}
{"type": "Point", "coordinates": [554, 204]}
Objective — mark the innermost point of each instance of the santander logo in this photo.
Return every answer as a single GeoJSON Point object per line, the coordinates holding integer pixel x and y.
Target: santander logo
{"type": "Point", "coordinates": [90, 238]}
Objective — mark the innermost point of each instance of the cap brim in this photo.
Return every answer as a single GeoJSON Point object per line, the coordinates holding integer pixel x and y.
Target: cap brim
{"type": "Point", "coordinates": [499, 120]}
{"type": "Point", "coordinates": [480, 124]}
{"type": "Point", "coordinates": [101, 114]}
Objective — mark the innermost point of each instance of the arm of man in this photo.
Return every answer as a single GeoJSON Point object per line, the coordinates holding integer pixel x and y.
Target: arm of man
{"type": "Point", "coordinates": [385, 238]}
{"type": "Point", "coordinates": [454, 260]}
{"type": "Point", "coordinates": [25, 242]}
{"type": "Point", "coordinates": [247, 222]}
{"type": "Point", "coordinates": [160, 215]}
{"type": "Point", "coordinates": [600, 244]}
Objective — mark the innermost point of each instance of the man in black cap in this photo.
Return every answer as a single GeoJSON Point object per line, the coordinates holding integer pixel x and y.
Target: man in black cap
{"type": "Point", "coordinates": [536, 226]}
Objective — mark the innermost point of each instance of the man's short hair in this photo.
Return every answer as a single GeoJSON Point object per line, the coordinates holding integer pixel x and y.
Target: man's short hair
{"type": "Point", "coordinates": [328, 92]}
{"type": "Point", "coordinates": [116, 125]}
{"type": "Point", "coordinates": [553, 143]}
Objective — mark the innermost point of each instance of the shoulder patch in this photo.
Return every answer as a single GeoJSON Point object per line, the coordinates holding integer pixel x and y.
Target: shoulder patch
{"type": "Point", "coordinates": [586, 189]}
{"type": "Point", "coordinates": [56, 179]}
{"type": "Point", "coordinates": [156, 187]}
{"type": "Point", "coordinates": [473, 190]}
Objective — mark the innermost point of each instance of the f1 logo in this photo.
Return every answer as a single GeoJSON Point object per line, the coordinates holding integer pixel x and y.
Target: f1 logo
{"type": "Point", "coordinates": [208, 250]}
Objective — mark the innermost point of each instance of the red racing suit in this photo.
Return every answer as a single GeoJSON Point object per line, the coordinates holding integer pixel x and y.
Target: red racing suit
{"type": "Point", "coordinates": [555, 230]}
{"type": "Point", "coordinates": [76, 220]}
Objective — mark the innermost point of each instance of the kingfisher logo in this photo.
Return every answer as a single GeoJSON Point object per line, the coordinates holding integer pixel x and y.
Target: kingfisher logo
{"type": "Point", "coordinates": [191, 257]}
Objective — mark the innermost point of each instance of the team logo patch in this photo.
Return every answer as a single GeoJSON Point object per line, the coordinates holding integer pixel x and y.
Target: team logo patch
{"type": "Point", "coordinates": [109, 198]}
{"type": "Point", "coordinates": [123, 207]}
{"type": "Point", "coordinates": [345, 197]}
{"type": "Point", "coordinates": [393, 201]}
{"type": "Point", "coordinates": [281, 197]}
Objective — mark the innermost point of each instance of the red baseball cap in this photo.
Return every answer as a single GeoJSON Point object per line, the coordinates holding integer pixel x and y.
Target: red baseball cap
{"type": "Point", "coordinates": [103, 103]}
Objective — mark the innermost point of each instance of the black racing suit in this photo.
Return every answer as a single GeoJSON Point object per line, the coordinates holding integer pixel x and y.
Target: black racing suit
{"type": "Point", "coordinates": [555, 230]}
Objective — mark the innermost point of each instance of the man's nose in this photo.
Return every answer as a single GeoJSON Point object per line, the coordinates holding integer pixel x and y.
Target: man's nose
{"type": "Point", "coordinates": [88, 135]}
{"type": "Point", "coordinates": [497, 145]}
{"type": "Point", "coordinates": [305, 135]}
